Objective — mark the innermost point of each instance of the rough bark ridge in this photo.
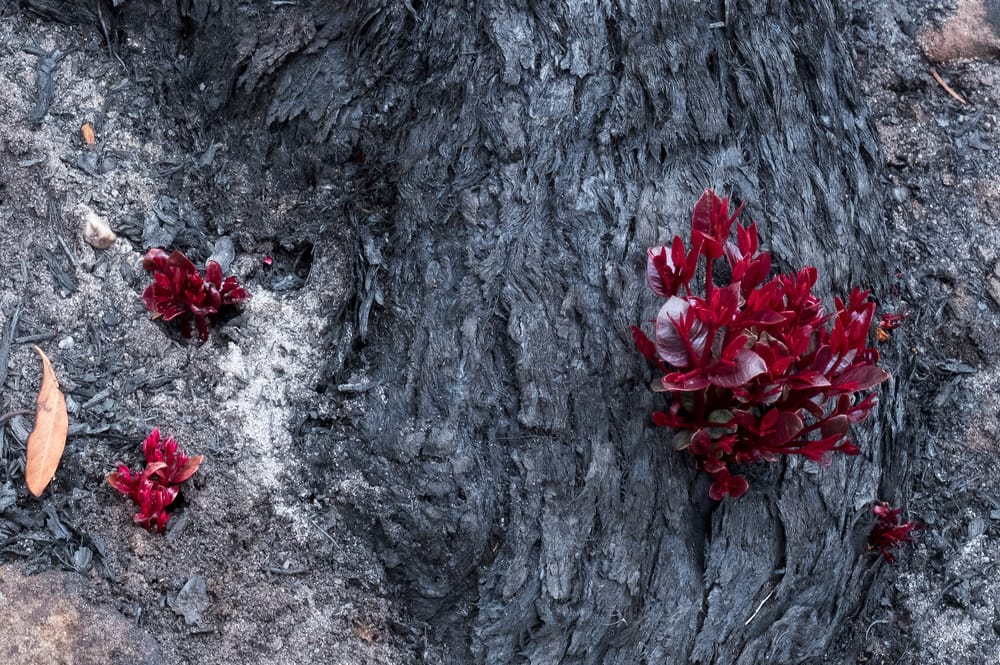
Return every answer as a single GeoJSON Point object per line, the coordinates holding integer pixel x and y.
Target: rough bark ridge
{"type": "Point", "coordinates": [511, 162]}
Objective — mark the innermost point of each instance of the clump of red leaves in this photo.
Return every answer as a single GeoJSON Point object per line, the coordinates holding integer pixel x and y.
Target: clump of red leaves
{"type": "Point", "coordinates": [180, 292]}
{"type": "Point", "coordinates": [889, 322]}
{"type": "Point", "coordinates": [889, 531]}
{"type": "Point", "coordinates": [155, 487]}
{"type": "Point", "coordinates": [754, 368]}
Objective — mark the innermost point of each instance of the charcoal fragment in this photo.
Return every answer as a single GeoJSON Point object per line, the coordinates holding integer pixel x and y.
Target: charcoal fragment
{"type": "Point", "coordinates": [83, 558]}
{"type": "Point", "coordinates": [224, 253]}
{"type": "Point", "coordinates": [191, 601]}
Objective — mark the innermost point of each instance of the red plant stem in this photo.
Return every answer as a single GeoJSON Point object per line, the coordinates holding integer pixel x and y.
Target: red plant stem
{"type": "Point", "coordinates": [708, 277]}
{"type": "Point", "coordinates": [812, 428]}
{"type": "Point", "coordinates": [688, 346]}
{"type": "Point", "coordinates": [706, 355]}
{"type": "Point", "coordinates": [699, 405]}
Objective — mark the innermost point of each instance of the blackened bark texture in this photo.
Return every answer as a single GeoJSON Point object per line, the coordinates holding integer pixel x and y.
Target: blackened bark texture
{"type": "Point", "coordinates": [504, 166]}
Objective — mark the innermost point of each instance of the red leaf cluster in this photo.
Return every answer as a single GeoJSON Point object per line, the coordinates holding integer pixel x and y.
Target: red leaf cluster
{"type": "Point", "coordinates": [889, 531]}
{"type": "Point", "coordinates": [888, 323]}
{"type": "Point", "coordinates": [891, 321]}
{"type": "Point", "coordinates": [156, 486]}
{"type": "Point", "coordinates": [755, 368]}
{"type": "Point", "coordinates": [180, 292]}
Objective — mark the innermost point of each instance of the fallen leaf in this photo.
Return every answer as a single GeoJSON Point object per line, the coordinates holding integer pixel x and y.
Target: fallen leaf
{"type": "Point", "coordinates": [87, 130]}
{"type": "Point", "coordinates": [48, 439]}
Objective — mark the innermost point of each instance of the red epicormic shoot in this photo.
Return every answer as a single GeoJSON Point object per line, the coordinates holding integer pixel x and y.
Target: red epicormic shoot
{"type": "Point", "coordinates": [754, 368]}
{"type": "Point", "coordinates": [889, 531]}
{"type": "Point", "coordinates": [180, 292]}
{"type": "Point", "coordinates": [892, 320]}
{"type": "Point", "coordinates": [889, 321]}
{"type": "Point", "coordinates": [155, 487]}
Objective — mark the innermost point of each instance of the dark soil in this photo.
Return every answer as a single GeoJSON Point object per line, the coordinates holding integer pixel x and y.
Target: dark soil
{"type": "Point", "coordinates": [257, 565]}
{"type": "Point", "coordinates": [282, 583]}
{"type": "Point", "coordinates": [941, 602]}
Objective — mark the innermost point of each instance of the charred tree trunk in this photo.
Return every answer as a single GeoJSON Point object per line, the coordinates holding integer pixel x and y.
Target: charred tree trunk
{"type": "Point", "coordinates": [500, 169]}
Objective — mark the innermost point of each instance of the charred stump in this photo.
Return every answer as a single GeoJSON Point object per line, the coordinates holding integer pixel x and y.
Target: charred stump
{"type": "Point", "coordinates": [495, 172]}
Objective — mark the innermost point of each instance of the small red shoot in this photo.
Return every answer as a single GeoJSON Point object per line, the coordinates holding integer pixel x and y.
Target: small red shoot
{"type": "Point", "coordinates": [889, 321]}
{"type": "Point", "coordinates": [180, 292]}
{"type": "Point", "coordinates": [155, 487]}
{"type": "Point", "coordinates": [889, 531]}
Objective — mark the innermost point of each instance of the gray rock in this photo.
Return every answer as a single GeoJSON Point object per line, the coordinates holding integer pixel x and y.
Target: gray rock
{"type": "Point", "coordinates": [223, 253]}
{"type": "Point", "coordinates": [46, 621]}
{"type": "Point", "coordinates": [192, 600]}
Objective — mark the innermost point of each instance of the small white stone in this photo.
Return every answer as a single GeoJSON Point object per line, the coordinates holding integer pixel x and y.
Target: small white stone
{"type": "Point", "coordinates": [95, 229]}
{"type": "Point", "coordinates": [66, 343]}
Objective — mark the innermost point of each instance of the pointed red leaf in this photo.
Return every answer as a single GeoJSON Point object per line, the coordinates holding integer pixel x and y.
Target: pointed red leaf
{"type": "Point", "coordinates": [861, 378]}
{"type": "Point", "coordinates": [701, 218]}
{"type": "Point", "coordinates": [213, 274]}
{"type": "Point", "coordinates": [643, 343]}
{"type": "Point", "coordinates": [188, 469]}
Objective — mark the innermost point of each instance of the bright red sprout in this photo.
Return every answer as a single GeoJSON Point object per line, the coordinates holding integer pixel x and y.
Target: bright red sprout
{"type": "Point", "coordinates": [754, 368]}
{"type": "Point", "coordinates": [888, 323]}
{"type": "Point", "coordinates": [155, 487]}
{"type": "Point", "coordinates": [180, 292]}
{"type": "Point", "coordinates": [892, 320]}
{"type": "Point", "coordinates": [889, 532]}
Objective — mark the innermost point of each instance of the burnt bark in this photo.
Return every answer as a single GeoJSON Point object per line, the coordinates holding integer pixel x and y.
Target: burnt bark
{"type": "Point", "coordinates": [501, 168]}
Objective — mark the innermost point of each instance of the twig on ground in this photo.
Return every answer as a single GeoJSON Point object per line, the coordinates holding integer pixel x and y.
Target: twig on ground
{"type": "Point", "coordinates": [13, 414]}
{"type": "Point", "coordinates": [327, 534]}
{"type": "Point", "coordinates": [5, 342]}
{"type": "Point", "coordinates": [947, 88]}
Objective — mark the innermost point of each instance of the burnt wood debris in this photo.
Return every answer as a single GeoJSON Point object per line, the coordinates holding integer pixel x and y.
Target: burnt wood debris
{"type": "Point", "coordinates": [498, 170]}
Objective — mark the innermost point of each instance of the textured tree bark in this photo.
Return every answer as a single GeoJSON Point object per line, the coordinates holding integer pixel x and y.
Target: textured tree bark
{"type": "Point", "coordinates": [502, 168]}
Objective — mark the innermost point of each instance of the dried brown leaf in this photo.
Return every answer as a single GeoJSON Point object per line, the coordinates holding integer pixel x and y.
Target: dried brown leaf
{"type": "Point", "coordinates": [48, 439]}
{"type": "Point", "coordinates": [87, 130]}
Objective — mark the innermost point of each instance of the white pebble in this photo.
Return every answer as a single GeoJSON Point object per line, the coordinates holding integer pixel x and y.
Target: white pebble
{"type": "Point", "coordinates": [95, 229]}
